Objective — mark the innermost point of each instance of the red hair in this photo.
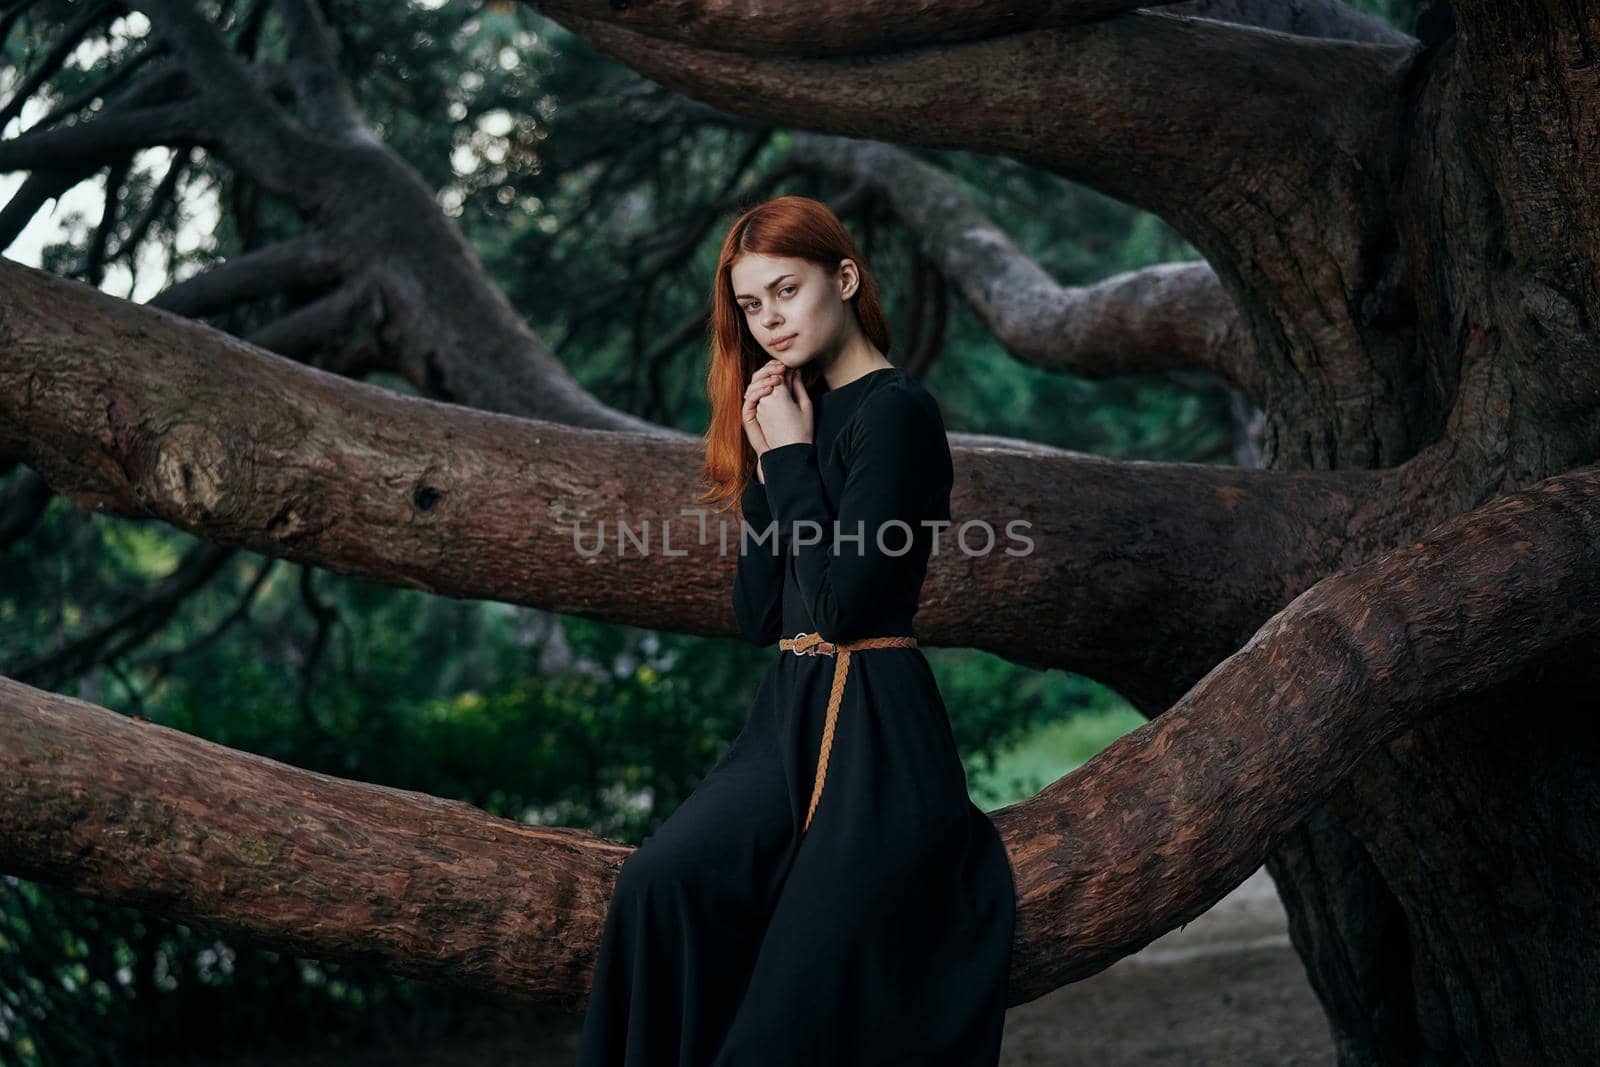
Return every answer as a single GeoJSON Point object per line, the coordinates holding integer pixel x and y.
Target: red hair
{"type": "Point", "coordinates": [796, 227]}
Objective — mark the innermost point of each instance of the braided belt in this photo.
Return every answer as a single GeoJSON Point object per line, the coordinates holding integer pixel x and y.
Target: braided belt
{"type": "Point", "coordinates": [804, 644]}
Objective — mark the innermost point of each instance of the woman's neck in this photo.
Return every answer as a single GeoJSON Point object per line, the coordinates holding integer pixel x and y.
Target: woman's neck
{"type": "Point", "coordinates": [858, 356]}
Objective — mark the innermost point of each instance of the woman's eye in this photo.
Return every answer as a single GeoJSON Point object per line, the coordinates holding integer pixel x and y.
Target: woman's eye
{"type": "Point", "coordinates": [751, 307]}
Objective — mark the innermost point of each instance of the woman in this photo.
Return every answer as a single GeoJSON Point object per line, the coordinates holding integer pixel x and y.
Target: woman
{"type": "Point", "coordinates": [829, 896]}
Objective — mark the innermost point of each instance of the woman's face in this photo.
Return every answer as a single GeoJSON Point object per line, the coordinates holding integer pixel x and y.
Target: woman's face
{"type": "Point", "coordinates": [783, 298]}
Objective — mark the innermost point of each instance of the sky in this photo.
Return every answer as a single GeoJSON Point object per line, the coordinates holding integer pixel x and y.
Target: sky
{"type": "Point", "coordinates": [80, 208]}
{"type": "Point", "coordinates": [87, 199]}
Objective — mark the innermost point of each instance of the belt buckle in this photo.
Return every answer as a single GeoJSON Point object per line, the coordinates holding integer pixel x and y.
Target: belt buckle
{"type": "Point", "coordinates": [811, 651]}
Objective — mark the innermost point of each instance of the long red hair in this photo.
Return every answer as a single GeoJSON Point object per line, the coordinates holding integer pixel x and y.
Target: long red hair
{"type": "Point", "coordinates": [800, 228]}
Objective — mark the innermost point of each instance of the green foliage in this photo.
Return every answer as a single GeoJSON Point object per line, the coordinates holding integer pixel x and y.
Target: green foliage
{"type": "Point", "coordinates": [1022, 728]}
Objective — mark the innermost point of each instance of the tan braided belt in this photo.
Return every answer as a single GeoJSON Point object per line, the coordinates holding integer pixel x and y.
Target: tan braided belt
{"type": "Point", "coordinates": [804, 644]}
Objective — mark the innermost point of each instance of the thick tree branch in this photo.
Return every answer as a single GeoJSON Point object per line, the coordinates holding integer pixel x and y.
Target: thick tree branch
{"type": "Point", "coordinates": [306, 260]}
{"type": "Point", "coordinates": [834, 27]}
{"type": "Point", "coordinates": [293, 859]}
{"type": "Point", "coordinates": [1166, 820]}
{"type": "Point", "coordinates": [1156, 110]}
{"type": "Point", "coordinates": [314, 71]}
{"type": "Point", "coordinates": [1144, 837]}
{"type": "Point", "coordinates": [250, 129]}
{"type": "Point", "coordinates": [839, 27]}
{"type": "Point", "coordinates": [1158, 569]}
{"type": "Point", "coordinates": [105, 140]}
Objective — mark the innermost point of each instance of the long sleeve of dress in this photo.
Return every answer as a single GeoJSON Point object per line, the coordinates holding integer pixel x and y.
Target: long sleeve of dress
{"type": "Point", "coordinates": [758, 582]}
{"type": "Point", "coordinates": [892, 465]}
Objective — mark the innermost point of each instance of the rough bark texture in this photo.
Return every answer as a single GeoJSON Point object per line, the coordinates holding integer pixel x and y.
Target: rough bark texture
{"type": "Point", "coordinates": [136, 813]}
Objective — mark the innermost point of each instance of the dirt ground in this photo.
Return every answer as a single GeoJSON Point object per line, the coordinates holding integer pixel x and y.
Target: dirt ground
{"type": "Point", "coordinates": [1225, 990]}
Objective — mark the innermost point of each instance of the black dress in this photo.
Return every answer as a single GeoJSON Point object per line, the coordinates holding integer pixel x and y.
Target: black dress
{"type": "Point", "coordinates": [882, 934]}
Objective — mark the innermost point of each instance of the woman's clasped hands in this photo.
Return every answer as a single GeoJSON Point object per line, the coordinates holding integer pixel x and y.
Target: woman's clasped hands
{"type": "Point", "coordinates": [777, 409]}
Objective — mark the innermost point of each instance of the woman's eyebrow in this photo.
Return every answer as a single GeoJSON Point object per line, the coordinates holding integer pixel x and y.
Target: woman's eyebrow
{"type": "Point", "coordinates": [775, 281]}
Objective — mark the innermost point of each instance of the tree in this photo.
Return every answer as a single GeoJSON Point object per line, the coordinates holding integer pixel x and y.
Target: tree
{"type": "Point", "coordinates": [1399, 237]}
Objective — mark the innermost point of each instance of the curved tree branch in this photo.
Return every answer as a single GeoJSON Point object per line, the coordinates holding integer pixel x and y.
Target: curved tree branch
{"type": "Point", "coordinates": [833, 27]}
{"type": "Point", "coordinates": [446, 327]}
{"type": "Point", "coordinates": [284, 857]}
{"type": "Point", "coordinates": [1156, 110]}
{"type": "Point", "coordinates": [106, 140]}
{"type": "Point", "coordinates": [1167, 819]}
{"type": "Point", "coordinates": [838, 27]}
{"type": "Point", "coordinates": [250, 128]}
{"type": "Point", "coordinates": [304, 260]}
{"type": "Point", "coordinates": [1174, 316]}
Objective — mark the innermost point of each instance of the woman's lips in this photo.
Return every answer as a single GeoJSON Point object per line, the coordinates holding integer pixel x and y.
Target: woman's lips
{"type": "Point", "coordinates": [781, 345]}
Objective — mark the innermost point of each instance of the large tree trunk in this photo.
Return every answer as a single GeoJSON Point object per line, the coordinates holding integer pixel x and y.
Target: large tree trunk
{"type": "Point", "coordinates": [1444, 897]}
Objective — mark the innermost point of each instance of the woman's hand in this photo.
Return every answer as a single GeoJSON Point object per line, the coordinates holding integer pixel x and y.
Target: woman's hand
{"type": "Point", "coordinates": [784, 413]}
{"type": "Point", "coordinates": [763, 381]}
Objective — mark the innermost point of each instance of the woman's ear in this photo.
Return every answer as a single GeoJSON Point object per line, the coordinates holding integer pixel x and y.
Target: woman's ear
{"type": "Point", "coordinates": [849, 279]}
